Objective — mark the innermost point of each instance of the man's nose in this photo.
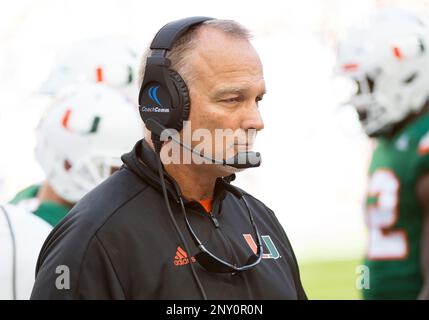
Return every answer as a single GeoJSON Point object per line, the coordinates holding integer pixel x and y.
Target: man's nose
{"type": "Point", "coordinates": [252, 120]}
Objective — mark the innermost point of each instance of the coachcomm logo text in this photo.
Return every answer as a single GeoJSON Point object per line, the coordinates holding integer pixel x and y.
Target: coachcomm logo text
{"type": "Point", "coordinates": [154, 109]}
{"type": "Point", "coordinates": [153, 95]}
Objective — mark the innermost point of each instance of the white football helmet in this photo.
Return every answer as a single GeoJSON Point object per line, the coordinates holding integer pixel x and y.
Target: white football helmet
{"type": "Point", "coordinates": [388, 59]}
{"type": "Point", "coordinates": [82, 136]}
{"type": "Point", "coordinates": [108, 60]}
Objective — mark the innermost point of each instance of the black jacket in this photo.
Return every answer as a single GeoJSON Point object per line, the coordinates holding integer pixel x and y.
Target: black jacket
{"type": "Point", "coordinates": [118, 242]}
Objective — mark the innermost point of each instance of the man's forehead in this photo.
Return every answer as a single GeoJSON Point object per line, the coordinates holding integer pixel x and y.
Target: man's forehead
{"type": "Point", "coordinates": [219, 54]}
{"type": "Point", "coordinates": [240, 87]}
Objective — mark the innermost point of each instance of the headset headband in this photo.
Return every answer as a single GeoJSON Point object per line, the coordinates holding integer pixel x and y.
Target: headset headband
{"type": "Point", "coordinates": [164, 97]}
{"type": "Point", "coordinates": [168, 34]}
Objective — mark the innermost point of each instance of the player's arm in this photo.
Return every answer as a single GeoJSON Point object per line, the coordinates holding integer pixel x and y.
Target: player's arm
{"type": "Point", "coordinates": [423, 196]}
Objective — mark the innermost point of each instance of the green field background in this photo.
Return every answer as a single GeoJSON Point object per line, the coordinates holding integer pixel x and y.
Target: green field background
{"type": "Point", "coordinates": [326, 280]}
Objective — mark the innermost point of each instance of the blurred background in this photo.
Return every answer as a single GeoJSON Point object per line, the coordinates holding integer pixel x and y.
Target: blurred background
{"type": "Point", "coordinates": [315, 155]}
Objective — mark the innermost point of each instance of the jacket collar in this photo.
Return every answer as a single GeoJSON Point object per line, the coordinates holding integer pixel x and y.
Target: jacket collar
{"type": "Point", "coordinates": [142, 161]}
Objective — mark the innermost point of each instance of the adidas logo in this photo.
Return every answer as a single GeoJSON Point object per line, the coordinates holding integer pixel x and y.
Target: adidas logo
{"type": "Point", "coordinates": [181, 257]}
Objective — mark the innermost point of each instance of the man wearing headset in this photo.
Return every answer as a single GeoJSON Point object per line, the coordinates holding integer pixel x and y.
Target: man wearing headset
{"type": "Point", "coordinates": [177, 230]}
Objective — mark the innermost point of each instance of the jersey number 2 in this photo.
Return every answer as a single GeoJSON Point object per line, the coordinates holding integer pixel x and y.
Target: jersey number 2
{"type": "Point", "coordinates": [385, 242]}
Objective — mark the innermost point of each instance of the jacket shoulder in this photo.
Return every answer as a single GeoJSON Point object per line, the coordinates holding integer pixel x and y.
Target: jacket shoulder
{"type": "Point", "coordinates": [69, 242]}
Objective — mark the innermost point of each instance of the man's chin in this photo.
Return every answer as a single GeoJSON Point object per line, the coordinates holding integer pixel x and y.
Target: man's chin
{"type": "Point", "coordinates": [228, 170]}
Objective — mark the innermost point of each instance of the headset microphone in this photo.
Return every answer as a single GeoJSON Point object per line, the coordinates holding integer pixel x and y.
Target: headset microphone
{"type": "Point", "coordinates": [241, 160]}
{"type": "Point", "coordinates": [244, 160]}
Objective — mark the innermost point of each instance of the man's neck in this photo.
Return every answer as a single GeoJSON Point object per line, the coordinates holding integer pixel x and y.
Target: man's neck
{"type": "Point", "coordinates": [194, 180]}
{"type": "Point", "coordinates": [194, 183]}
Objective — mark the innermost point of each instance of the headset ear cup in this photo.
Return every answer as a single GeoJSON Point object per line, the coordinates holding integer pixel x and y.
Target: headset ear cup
{"type": "Point", "coordinates": [183, 91]}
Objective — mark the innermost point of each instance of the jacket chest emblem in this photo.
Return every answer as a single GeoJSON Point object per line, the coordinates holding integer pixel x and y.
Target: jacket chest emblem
{"type": "Point", "coordinates": [272, 253]}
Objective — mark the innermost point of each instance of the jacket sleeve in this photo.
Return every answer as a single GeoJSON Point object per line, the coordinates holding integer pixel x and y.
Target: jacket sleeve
{"type": "Point", "coordinates": [66, 276]}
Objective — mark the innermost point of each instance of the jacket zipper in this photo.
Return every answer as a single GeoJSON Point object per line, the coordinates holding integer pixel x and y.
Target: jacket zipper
{"type": "Point", "coordinates": [214, 220]}
{"type": "Point", "coordinates": [227, 244]}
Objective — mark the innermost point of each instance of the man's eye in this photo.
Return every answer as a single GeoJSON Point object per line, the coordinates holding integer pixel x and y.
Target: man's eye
{"type": "Point", "coordinates": [259, 98]}
{"type": "Point", "coordinates": [232, 100]}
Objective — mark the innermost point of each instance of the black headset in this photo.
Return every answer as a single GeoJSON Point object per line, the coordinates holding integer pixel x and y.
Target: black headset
{"type": "Point", "coordinates": [164, 97]}
{"type": "Point", "coordinates": [164, 101]}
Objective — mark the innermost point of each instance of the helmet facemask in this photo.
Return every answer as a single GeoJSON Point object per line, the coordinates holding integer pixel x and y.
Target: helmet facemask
{"type": "Point", "coordinates": [383, 100]}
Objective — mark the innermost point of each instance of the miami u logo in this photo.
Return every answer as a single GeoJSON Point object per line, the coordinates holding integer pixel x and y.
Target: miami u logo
{"type": "Point", "coordinates": [273, 253]}
{"type": "Point", "coordinates": [92, 128]}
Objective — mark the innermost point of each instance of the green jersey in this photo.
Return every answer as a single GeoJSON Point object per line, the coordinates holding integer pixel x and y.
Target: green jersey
{"type": "Point", "coordinates": [394, 215]}
{"type": "Point", "coordinates": [49, 211]}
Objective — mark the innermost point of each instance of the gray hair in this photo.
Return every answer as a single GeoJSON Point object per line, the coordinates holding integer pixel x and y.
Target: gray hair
{"type": "Point", "coordinates": [187, 42]}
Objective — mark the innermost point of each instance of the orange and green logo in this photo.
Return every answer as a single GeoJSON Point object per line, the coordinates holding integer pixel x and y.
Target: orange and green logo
{"type": "Point", "coordinates": [272, 253]}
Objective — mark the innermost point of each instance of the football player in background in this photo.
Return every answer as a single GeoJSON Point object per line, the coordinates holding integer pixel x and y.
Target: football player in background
{"type": "Point", "coordinates": [27, 220]}
{"type": "Point", "coordinates": [107, 60]}
{"type": "Point", "coordinates": [79, 143]}
{"type": "Point", "coordinates": [388, 60]}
